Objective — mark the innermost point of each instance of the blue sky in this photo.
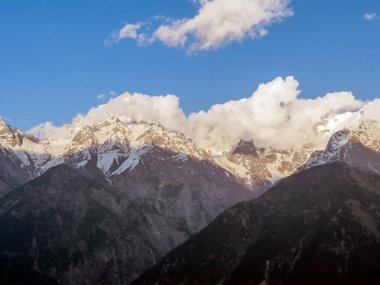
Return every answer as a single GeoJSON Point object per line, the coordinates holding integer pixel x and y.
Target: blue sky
{"type": "Point", "coordinates": [54, 63]}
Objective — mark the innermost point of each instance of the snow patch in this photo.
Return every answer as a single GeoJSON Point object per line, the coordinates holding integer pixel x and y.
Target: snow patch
{"type": "Point", "coordinates": [180, 157]}
{"type": "Point", "coordinates": [133, 159]}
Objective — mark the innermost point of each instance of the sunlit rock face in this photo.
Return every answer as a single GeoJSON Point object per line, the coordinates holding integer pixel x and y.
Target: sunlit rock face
{"type": "Point", "coordinates": [359, 147]}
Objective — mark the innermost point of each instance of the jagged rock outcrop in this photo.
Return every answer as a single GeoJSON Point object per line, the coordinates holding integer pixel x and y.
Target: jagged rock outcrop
{"type": "Point", "coordinates": [16, 163]}
{"type": "Point", "coordinates": [246, 148]}
{"type": "Point", "coordinates": [260, 168]}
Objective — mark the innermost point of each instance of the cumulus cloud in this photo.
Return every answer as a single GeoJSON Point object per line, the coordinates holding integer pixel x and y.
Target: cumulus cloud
{"type": "Point", "coordinates": [370, 16]}
{"type": "Point", "coordinates": [139, 107]}
{"type": "Point", "coordinates": [50, 131]}
{"type": "Point", "coordinates": [216, 24]}
{"type": "Point", "coordinates": [274, 116]}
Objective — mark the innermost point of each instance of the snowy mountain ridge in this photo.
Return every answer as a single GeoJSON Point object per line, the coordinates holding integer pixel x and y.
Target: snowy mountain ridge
{"type": "Point", "coordinates": [345, 145]}
{"type": "Point", "coordinates": [115, 145]}
{"type": "Point", "coordinates": [109, 141]}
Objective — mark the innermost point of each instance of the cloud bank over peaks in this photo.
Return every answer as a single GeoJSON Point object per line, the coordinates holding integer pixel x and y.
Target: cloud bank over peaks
{"type": "Point", "coordinates": [216, 24]}
{"type": "Point", "coordinates": [274, 116]}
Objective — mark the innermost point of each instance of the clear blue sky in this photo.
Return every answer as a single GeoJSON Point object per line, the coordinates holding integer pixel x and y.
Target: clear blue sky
{"type": "Point", "coordinates": [54, 63]}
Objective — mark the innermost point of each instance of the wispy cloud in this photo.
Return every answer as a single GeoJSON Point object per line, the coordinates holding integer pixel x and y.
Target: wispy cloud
{"type": "Point", "coordinates": [216, 24]}
{"type": "Point", "coordinates": [104, 96]}
{"type": "Point", "coordinates": [129, 31]}
{"type": "Point", "coordinates": [370, 16]}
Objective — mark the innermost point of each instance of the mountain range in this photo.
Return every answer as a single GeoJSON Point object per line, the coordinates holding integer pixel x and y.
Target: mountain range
{"type": "Point", "coordinates": [114, 146]}
{"type": "Point", "coordinates": [107, 202]}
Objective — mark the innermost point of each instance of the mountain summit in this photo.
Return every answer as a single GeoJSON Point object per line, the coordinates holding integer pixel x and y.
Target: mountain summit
{"type": "Point", "coordinates": [357, 146]}
{"type": "Point", "coordinates": [244, 148]}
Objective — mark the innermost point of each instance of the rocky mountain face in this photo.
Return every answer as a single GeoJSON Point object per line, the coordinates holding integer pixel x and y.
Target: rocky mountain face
{"type": "Point", "coordinates": [359, 147]}
{"type": "Point", "coordinates": [67, 227]}
{"type": "Point", "coordinates": [148, 188]}
{"type": "Point", "coordinates": [161, 182]}
{"type": "Point", "coordinates": [11, 174]}
{"type": "Point", "coordinates": [111, 146]}
{"type": "Point", "coordinates": [158, 187]}
{"type": "Point", "coordinates": [319, 226]}
{"type": "Point", "coordinates": [264, 166]}
{"type": "Point", "coordinates": [16, 158]}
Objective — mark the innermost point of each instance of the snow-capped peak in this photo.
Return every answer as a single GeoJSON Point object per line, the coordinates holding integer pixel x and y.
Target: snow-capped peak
{"type": "Point", "coordinates": [367, 133]}
{"type": "Point", "coordinates": [3, 125]}
{"type": "Point", "coordinates": [114, 129]}
{"type": "Point", "coordinates": [342, 143]}
{"type": "Point", "coordinates": [116, 144]}
{"type": "Point", "coordinates": [9, 137]}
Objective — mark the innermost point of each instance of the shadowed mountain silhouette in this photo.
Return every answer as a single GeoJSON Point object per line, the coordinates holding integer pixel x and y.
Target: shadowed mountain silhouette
{"type": "Point", "coordinates": [319, 226]}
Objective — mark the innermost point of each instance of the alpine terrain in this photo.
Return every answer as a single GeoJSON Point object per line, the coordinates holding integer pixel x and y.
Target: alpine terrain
{"type": "Point", "coordinates": [109, 200]}
{"type": "Point", "coordinates": [117, 196]}
{"type": "Point", "coordinates": [319, 226]}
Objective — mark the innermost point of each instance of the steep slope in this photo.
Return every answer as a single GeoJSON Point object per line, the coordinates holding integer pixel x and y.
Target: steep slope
{"type": "Point", "coordinates": [244, 162]}
{"type": "Point", "coordinates": [193, 191]}
{"type": "Point", "coordinates": [114, 144]}
{"type": "Point", "coordinates": [157, 179]}
{"type": "Point", "coordinates": [320, 226]}
{"type": "Point", "coordinates": [53, 227]}
{"type": "Point", "coordinates": [16, 157]}
{"type": "Point", "coordinates": [359, 147]}
{"type": "Point", "coordinates": [107, 148]}
{"type": "Point", "coordinates": [11, 173]}
{"type": "Point", "coordinates": [71, 226]}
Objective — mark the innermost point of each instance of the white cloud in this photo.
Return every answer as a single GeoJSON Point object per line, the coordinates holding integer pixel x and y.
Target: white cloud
{"type": "Point", "coordinates": [273, 116]}
{"type": "Point", "coordinates": [162, 109]}
{"type": "Point", "coordinates": [370, 16]}
{"type": "Point", "coordinates": [216, 24]}
{"type": "Point", "coordinates": [129, 31]}
{"type": "Point", "coordinates": [104, 96]}
{"type": "Point", "coordinates": [49, 130]}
